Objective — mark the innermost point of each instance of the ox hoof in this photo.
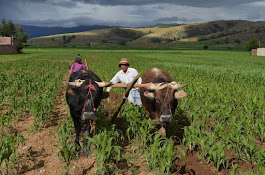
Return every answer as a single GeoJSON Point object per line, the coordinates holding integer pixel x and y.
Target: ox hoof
{"type": "Point", "coordinates": [162, 131]}
{"type": "Point", "coordinates": [84, 153]}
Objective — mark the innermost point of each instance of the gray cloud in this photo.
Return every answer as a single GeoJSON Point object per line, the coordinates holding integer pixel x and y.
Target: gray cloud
{"type": "Point", "coordinates": [172, 19]}
{"type": "Point", "coordinates": [192, 3]}
{"type": "Point", "coordinates": [133, 13]}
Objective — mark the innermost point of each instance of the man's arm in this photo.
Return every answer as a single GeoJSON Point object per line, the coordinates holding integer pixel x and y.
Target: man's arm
{"type": "Point", "coordinates": [114, 80]}
{"type": "Point", "coordinates": [139, 81]}
{"type": "Point", "coordinates": [71, 69]}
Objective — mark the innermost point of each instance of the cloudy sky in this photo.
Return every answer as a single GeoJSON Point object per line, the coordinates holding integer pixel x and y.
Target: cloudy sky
{"type": "Point", "coordinates": [129, 13]}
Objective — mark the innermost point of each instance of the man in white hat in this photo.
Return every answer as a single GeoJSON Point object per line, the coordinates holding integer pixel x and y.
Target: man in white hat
{"type": "Point", "coordinates": [126, 75]}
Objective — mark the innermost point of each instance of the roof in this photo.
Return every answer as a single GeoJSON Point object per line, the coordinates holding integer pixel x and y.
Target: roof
{"type": "Point", "coordinates": [5, 40]}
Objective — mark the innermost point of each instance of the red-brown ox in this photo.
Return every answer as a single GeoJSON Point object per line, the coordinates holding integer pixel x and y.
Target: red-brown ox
{"type": "Point", "coordinates": [160, 99]}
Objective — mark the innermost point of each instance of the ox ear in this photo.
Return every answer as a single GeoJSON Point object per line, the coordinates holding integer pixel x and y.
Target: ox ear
{"type": "Point", "coordinates": [180, 94]}
{"type": "Point", "coordinates": [149, 95]}
{"type": "Point", "coordinates": [105, 95]}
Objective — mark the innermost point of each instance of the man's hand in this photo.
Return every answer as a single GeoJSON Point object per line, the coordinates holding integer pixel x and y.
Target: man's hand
{"type": "Point", "coordinates": [127, 85]}
{"type": "Point", "coordinates": [108, 89]}
{"type": "Point", "coordinates": [86, 64]}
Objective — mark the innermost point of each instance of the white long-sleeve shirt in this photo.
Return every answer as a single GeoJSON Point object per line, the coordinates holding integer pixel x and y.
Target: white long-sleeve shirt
{"type": "Point", "coordinates": [126, 77]}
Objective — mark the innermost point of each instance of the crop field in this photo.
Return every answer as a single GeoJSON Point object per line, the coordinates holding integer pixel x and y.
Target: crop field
{"type": "Point", "coordinates": [218, 128]}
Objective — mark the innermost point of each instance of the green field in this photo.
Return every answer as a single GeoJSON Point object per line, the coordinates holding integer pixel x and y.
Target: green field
{"type": "Point", "coordinates": [223, 112]}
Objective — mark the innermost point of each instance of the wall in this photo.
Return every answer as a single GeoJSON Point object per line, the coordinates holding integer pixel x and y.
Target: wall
{"type": "Point", "coordinates": [8, 49]}
{"type": "Point", "coordinates": [7, 45]}
{"type": "Point", "coordinates": [261, 51]}
{"type": "Point", "coordinates": [254, 52]}
{"type": "Point", "coordinates": [6, 40]}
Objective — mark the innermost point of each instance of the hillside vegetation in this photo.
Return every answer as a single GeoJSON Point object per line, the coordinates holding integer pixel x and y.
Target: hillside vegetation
{"type": "Point", "coordinates": [216, 34]}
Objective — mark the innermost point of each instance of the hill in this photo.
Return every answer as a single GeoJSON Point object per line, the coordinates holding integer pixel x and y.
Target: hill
{"type": "Point", "coordinates": [35, 31]}
{"type": "Point", "coordinates": [216, 34]}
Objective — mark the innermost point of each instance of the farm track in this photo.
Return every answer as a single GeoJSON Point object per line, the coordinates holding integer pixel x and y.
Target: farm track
{"type": "Point", "coordinates": [38, 153]}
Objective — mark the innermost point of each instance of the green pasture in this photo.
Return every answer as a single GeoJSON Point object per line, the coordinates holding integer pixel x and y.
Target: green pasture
{"type": "Point", "coordinates": [224, 108]}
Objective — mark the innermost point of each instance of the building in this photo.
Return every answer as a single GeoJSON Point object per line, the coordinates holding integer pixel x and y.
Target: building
{"type": "Point", "coordinates": [254, 52]}
{"type": "Point", "coordinates": [258, 52]}
{"type": "Point", "coordinates": [7, 45]}
{"type": "Point", "coordinates": [261, 51]}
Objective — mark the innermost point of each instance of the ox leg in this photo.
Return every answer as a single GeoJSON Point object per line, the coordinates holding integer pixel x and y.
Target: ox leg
{"type": "Point", "coordinates": [86, 133]}
{"type": "Point", "coordinates": [77, 125]}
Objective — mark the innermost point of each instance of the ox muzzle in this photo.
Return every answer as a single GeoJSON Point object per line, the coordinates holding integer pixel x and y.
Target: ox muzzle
{"type": "Point", "coordinates": [165, 118]}
{"type": "Point", "coordinates": [88, 115]}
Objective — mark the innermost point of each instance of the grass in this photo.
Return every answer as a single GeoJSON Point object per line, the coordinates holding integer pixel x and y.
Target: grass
{"type": "Point", "coordinates": [224, 103]}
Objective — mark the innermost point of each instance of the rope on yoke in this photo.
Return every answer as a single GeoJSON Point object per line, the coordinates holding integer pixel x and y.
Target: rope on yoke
{"type": "Point", "coordinates": [89, 87]}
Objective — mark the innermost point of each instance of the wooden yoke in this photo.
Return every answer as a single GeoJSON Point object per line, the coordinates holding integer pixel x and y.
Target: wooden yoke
{"type": "Point", "coordinates": [125, 95]}
{"type": "Point", "coordinates": [135, 85]}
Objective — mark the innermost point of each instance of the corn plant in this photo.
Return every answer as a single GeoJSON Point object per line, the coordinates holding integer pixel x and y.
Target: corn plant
{"type": "Point", "coordinates": [66, 145]}
{"type": "Point", "coordinates": [160, 155]}
{"type": "Point", "coordinates": [107, 152]}
{"type": "Point", "coordinates": [137, 125]}
{"type": "Point", "coordinates": [9, 150]}
{"type": "Point", "coordinates": [261, 162]}
{"type": "Point", "coordinates": [224, 102]}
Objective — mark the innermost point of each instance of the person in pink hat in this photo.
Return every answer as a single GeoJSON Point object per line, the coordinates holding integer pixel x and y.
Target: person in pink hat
{"type": "Point", "coordinates": [126, 75]}
{"type": "Point", "coordinates": [78, 64]}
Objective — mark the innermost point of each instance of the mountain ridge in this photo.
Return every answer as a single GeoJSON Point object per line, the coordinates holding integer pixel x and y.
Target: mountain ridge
{"type": "Point", "coordinates": [232, 33]}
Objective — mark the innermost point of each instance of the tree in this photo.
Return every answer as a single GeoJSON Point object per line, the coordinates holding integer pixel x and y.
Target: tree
{"type": "Point", "coordinates": [226, 40]}
{"type": "Point", "coordinates": [237, 41]}
{"type": "Point", "coordinates": [20, 38]}
{"type": "Point", "coordinates": [9, 29]}
{"type": "Point", "coordinates": [3, 29]}
{"type": "Point", "coordinates": [252, 44]}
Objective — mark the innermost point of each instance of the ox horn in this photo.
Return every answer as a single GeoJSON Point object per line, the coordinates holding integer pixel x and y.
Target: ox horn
{"type": "Point", "coordinates": [103, 84]}
{"type": "Point", "coordinates": [76, 83]}
{"type": "Point", "coordinates": [175, 85]}
{"type": "Point", "coordinates": [157, 86]}
{"type": "Point", "coordinates": [153, 86]}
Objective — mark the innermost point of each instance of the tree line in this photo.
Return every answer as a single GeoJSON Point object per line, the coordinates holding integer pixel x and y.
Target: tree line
{"type": "Point", "coordinates": [8, 29]}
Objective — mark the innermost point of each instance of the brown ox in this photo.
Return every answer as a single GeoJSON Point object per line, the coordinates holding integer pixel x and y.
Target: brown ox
{"type": "Point", "coordinates": [160, 99]}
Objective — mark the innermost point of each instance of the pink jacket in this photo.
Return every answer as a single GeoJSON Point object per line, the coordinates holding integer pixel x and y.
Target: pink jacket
{"type": "Point", "coordinates": [76, 67]}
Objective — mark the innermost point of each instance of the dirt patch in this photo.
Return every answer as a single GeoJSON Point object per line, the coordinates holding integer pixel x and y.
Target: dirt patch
{"type": "Point", "coordinates": [193, 165]}
{"type": "Point", "coordinates": [112, 102]}
{"type": "Point", "coordinates": [38, 154]}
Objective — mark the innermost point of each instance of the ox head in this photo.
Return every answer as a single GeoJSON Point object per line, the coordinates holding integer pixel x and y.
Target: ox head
{"type": "Point", "coordinates": [91, 92]}
{"type": "Point", "coordinates": [164, 96]}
